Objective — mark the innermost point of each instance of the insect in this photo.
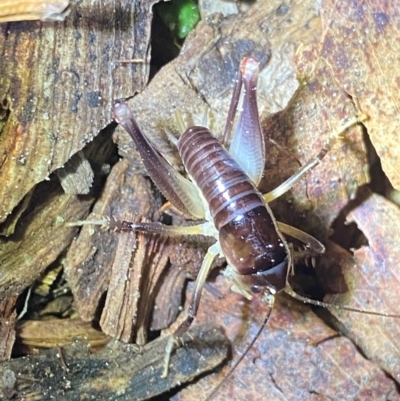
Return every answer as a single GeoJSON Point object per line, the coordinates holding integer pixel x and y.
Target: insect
{"type": "Point", "coordinates": [222, 190]}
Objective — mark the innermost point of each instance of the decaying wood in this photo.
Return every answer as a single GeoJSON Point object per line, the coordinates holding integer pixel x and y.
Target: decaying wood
{"type": "Point", "coordinates": [42, 235]}
{"type": "Point", "coordinates": [34, 335]}
{"type": "Point", "coordinates": [21, 10]}
{"type": "Point", "coordinates": [168, 301]}
{"type": "Point", "coordinates": [96, 248]}
{"type": "Point", "coordinates": [76, 176]}
{"type": "Point", "coordinates": [150, 262]}
{"type": "Point", "coordinates": [118, 372]}
{"type": "Point", "coordinates": [7, 327]}
{"type": "Point", "coordinates": [57, 85]}
{"type": "Point", "coordinates": [134, 282]}
{"type": "Point", "coordinates": [34, 248]}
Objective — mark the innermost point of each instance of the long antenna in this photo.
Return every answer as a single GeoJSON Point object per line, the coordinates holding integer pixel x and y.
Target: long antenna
{"type": "Point", "coordinates": [306, 300]}
{"type": "Point", "coordinates": [270, 301]}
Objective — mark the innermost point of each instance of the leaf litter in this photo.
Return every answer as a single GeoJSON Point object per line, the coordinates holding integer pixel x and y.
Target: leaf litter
{"type": "Point", "coordinates": [297, 356]}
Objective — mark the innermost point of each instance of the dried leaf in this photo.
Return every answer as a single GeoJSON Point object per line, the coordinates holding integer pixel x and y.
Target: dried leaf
{"type": "Point", "coordinates": [372, 279]}
{"type": "Point", "coordinates": [361, 46]}
{"type": "Point", "coordinates": [297, 356]}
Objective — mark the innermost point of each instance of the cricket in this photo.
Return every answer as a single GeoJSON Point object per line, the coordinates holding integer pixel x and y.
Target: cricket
{"type": "Point", "coordinates": [220, 191]}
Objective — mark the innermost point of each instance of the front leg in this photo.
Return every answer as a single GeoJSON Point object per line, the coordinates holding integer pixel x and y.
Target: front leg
{"type": "Point", "coordinates": [176, 338]}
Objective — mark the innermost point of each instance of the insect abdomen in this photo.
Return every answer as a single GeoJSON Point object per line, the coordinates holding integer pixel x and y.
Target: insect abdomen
{"type": "Point", "coordinates": [246, 228]}
{"type": "Point", "coordinates": [225, 186]}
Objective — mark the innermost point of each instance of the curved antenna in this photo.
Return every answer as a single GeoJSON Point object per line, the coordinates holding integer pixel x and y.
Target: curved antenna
{"type": "Point", "coordinates": [269, 298]}
{"type": "Point", "coordinates": [289, 290]}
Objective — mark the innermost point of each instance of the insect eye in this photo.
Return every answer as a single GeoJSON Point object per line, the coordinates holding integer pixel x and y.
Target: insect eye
{"type": "Point", "coordinates": [256, 289]}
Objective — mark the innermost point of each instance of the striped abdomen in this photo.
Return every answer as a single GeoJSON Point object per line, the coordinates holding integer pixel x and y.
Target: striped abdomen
{"type": "Point", "coordinates": [247, 232]}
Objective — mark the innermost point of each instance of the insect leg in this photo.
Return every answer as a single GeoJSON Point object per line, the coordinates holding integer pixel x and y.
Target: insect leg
{"type": "Point", "coordinates": [180, 191]}
{"type": "Point", "coordinates": [158, 228]}
{"type": "Point", "coordinates": [313, 245]}
{"type": "Point", "coordinates": [206, 229]}
{"type": "Point", "coordinates": [247, 146]}
{"type": "Point", "coordinates": [232, 109]}
{"type": "Point", "coordinates": [291, 181]}
{"type": "Point", "coordinates": [213, 251]}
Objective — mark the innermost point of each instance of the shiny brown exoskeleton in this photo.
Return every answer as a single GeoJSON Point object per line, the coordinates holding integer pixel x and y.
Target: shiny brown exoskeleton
{"type": "Point", "coordinates": [248, 235]}
{"type": "Point", "coordinates": [238, 217]}
{"type": "Point", "coordinates": [223, 192]}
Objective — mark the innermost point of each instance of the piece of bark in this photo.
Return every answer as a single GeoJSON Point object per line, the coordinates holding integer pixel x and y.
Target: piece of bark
{"type": "Point", "coordinates": [41, 238]}
{"type": "Point", "coordinates": [42, 234]}
{"type": "Point", "coordinates": [21, 10]}
{"type": "Point", "coordinates": [371, 275]}
{"type": "Point", "coordinates": [35, 334]}
{"type": "Point", "coordinates": [8, 226]}
{"type": "Point", "coordinates": [134, 282]}
{"type": "Point", "coordinates": [89, 261]}
{"type": "Point", "coordinates": [168, 301]}
{"type": "Point", "coordinates": [58, 83]}
{"type": "Point", "coordinates": [362, 51]}
{"type": "Point", "coordinates": [153, 254]}
{"type": "Point", "coordinates": [7, 327]}
{"type": "Point", "coordinates": [118, 372]}
{"type": "Point", "coordinates": [120, 309]}
{"type": "Point", "coordinates": [76, 176]}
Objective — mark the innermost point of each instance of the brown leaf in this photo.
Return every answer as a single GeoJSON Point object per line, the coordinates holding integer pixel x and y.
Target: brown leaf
{"type": "Point", "coordinates": [361, 46]}
{"type": "Point", "coordinates": [297, 356]}
{"type": "Point", "coordinates": [372, 279]}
